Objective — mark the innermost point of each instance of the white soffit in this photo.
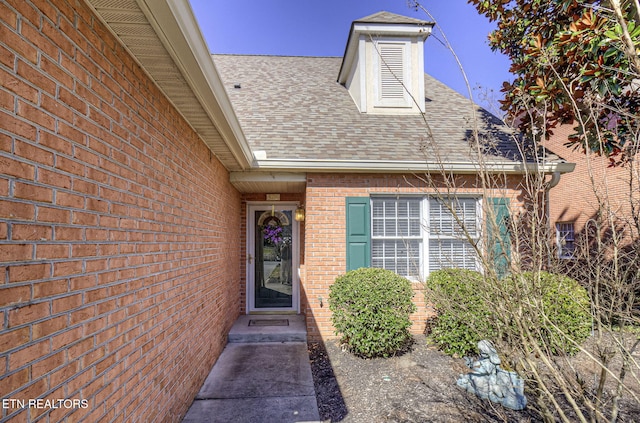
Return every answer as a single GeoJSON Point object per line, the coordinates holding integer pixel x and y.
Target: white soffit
{"type": "Point", "coordinates": [265, 182]}
{"type": "Point", "coordinates": [155, 37]}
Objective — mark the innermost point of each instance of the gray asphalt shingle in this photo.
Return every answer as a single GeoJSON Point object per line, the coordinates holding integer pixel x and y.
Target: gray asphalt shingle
{"type": "Point", "coordinates": [388, 17]}
{"type": "Point", "coordinates": [293, 108]}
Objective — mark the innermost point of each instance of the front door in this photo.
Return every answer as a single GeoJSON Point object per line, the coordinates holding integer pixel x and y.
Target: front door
{"type": "Point", "coordinates": [272, 258]}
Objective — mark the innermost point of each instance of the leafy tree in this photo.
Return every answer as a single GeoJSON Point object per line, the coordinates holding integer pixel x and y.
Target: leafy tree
{"type": "Point", "coordinates": [573, 61]}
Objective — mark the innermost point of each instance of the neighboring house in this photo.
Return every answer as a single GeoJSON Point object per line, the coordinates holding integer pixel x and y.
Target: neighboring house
{"type": "Point", "coordinates": [146, 200]}
{"type": "Point", "coordinates": [593, 187]}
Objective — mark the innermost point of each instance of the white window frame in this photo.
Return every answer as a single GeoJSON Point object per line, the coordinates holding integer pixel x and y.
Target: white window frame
{"type": "Point", "coordinates": [379, 66]}
{"type": "Point", "coordinates": [476, 238]}
{"type": "Point", "coordinates": [399, 238]}
{"type": "Point", "coordinates": [565, 232]}
{"type": "Point", "coordinates": [425, 233]}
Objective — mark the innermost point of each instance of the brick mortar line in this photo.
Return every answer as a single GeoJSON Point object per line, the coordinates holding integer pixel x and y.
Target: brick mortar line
{"type": "Point", "coordinates": [104, 257]}
{"type": "Point", "coordinates": [213, 240]}
{"type": "Point", "coordinates": [200, 273]}
{"type": "Point", "coordinates": [100, 185]}
{"type": "Point", "coordinates": [188, 217]}
{"type": "Point", "coordinates": [95, 348]}
{"type": "Point", "coordinates": [184, 224]}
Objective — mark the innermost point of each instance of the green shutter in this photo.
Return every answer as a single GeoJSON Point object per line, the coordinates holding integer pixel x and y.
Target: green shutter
{"type": "Point", "coordinates": [498, 237]}
{"type": "Point", "coordinates": [358, 233]}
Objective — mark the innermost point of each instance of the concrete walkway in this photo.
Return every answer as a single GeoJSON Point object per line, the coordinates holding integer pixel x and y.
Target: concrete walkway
{"type": "Point", "coordinates": [262, 375]}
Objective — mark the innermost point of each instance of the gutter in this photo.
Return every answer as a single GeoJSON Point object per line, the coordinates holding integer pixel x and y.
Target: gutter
{"type": "Point", "coordinates": [555, 180]}
{"type": "Point", "coordinates": [379, 166]}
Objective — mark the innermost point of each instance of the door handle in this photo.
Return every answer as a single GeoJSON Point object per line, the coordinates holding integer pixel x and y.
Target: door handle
{"type": "Point", "coordinates": [250, 258]}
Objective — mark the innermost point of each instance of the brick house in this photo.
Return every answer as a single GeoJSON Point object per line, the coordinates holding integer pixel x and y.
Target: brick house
{"type": "Point", "coordinates": [149, 196]}
{"type": "Point", "coordinates": [573, 203]}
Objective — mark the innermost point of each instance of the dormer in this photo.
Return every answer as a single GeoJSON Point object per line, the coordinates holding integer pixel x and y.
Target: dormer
{"type": "Point", "coordinates": [383, 64]}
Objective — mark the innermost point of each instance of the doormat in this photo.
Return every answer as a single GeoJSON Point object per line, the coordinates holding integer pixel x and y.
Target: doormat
{"type": "Point", "coordinates": [269, 322]}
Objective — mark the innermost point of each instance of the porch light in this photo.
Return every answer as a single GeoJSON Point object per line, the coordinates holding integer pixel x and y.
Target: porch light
{"type": "Point", "coordinates": [299, 214]}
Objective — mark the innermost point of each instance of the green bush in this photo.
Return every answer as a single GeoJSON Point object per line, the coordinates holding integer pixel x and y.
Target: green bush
{"type": "Point", "coordinates": [466, 303]}
{"type": "Point", "coordinates": [463, 316]}
{"type": "Point", "coordinates": [566, 304]}
{"type": "Point", "coordinates": [370, 311]}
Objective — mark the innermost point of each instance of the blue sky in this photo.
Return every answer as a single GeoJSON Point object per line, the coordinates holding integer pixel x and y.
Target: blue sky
{"type": "Point", "coordinates": [321, 28]}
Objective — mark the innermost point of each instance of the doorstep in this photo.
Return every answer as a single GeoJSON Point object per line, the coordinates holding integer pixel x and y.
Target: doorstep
{"type": "Point", "coordinates": [269, 328]}
{"type": "Point", "coordinates": [259, 380]}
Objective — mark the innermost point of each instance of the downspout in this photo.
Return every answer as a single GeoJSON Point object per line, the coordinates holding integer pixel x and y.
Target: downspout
{"type": "Point", "coordinates": [555, 180]}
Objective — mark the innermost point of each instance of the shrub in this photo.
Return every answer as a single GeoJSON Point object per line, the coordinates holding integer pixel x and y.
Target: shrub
{"type": "Point", "coordinates": [466, 304]}
{"type": "Point", "coordinates": [370, 311]}
{"type": "Point", "coordinates": [567, 307]}
{"type": "Point", "coordinates": [463, 316]}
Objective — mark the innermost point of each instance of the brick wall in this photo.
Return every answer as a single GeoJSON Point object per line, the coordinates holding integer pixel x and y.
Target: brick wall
{"type": "Point", "coordinates": [575, 198]}
{"type": "Point", "coordinates": [119, 231]}
{"type": "Point", "coordinates": [325, 235]}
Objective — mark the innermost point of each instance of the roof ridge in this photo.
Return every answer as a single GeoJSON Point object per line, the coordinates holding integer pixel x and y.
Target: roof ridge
{"type": "Point", "coordinates": [391, 18]}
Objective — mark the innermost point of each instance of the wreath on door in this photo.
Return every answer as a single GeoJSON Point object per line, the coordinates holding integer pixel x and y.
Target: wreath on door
{"type": "Point", "coordinates": [272, 230]}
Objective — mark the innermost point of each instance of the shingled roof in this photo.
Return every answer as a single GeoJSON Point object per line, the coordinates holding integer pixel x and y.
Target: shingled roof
{"type": "Point", "coordinates": [392, 18]}
{"type": "Point", "coordinates": [292, 108]}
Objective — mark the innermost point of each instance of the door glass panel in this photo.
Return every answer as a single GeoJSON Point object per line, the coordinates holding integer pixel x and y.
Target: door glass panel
{"type": "Point", "coordinates": [273, 251]}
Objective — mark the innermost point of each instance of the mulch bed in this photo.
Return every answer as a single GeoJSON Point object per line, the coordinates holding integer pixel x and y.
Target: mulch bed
{"type": "Point", "coordinates": [417, 386]}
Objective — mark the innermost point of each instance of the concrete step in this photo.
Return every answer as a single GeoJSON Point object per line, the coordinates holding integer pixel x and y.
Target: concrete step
{"type": "Point", "coordinates": [268, 328]}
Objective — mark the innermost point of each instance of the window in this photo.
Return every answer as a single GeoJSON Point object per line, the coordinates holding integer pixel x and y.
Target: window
{"type": "Point", "coordinates": [413, 236]}
{"type": "Point", "coordinates": [396, 235]}
{"type": "Point", "coordinates": [565, 237]}
{"type": "Point", "coordinates": [449, 245]}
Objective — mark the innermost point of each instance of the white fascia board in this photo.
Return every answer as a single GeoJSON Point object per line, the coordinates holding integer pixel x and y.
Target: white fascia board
{"type": "Point", "coordinates": [380, 29]}
{"type": "Point", "coordinates": [349, 58]}
{"type": "Point", "coordinates": [175, 24]}
{"type": "Point", "coordinates": [378, 166]}
{"type": "Point", "coordinates": [384, 29]}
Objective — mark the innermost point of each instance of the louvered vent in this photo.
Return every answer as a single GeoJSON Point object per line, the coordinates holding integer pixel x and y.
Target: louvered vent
{"type": "Point", "coordinates": [392, 72]}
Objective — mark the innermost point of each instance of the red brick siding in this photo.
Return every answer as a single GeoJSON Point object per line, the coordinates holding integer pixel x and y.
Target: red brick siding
{"type": "Point", "coordinates": [119, 233]}
{"type": "Point", "coordinates": [325, 236]}
{"type": "Point", "coordinates": [574, 199]}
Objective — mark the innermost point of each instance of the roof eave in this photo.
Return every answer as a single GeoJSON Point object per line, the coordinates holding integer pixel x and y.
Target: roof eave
{"type": "Point", "coordinates": [176, 26]}
{"type": "Point", "coordinates": [376, 166]}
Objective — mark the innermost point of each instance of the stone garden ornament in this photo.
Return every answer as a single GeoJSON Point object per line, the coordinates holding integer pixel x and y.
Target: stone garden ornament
{"type": "Point", "coordinates": [488, 381]}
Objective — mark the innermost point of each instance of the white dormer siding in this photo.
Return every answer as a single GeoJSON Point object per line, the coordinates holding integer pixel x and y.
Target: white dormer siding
{"type": "Point", "coordinates": [383, 66]}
